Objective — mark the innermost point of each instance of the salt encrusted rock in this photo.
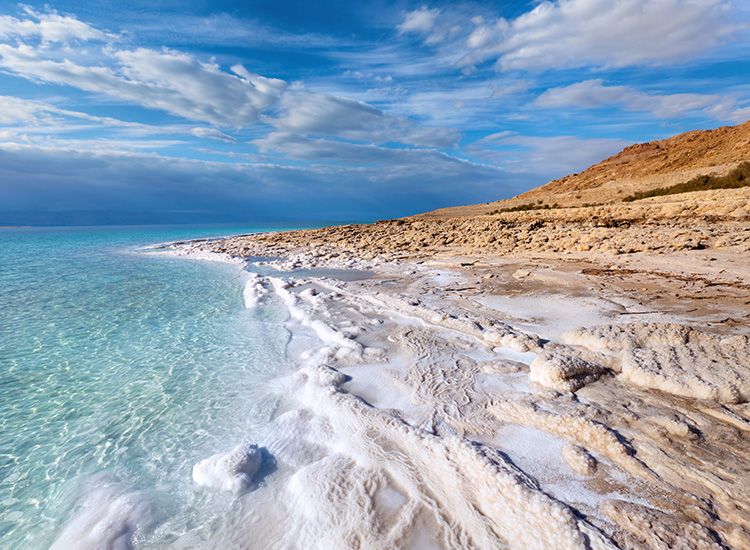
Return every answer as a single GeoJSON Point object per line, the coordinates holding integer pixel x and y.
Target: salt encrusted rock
{"type": "Point", "coordinates": [579, 460]}
{"type": "Point", "coordinates": [659, 529]}
{"type": "Point", "coordinates": [507, 337]}
{"type": "Point", "coordinates": [322, 375]}
{"type": "Point", "coordinates": [564, 372]}
{"type": "Point", "coordinates": [676, 359]}
{"type": "Point", "coordinates": [232, 471]}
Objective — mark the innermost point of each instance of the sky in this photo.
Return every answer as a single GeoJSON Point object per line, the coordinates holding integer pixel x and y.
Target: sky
{"type": "Point", "coordinates": [242, 111]}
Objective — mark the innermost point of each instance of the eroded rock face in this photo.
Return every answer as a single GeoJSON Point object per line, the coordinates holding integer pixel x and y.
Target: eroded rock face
{"type": "Point", "coordinates": [640, 167]}
{"type": "Point", "coordinates": [699, 149]}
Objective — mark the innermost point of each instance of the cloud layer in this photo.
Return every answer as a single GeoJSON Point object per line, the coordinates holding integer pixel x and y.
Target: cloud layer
{"type": "Point", "coordinates": [392, 114]}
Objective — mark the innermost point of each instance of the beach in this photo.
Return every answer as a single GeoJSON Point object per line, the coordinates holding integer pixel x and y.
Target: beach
{"type": "Point", "coordinates": [568, 378]}
{"type": "Point", "coordinates": [375, 275]}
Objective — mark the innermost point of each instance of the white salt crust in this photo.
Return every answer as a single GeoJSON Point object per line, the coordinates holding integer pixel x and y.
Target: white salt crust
{"type": "Point", "coordinates": [674, 358]}
{"type": "Point", "coordinates": [232, 471]}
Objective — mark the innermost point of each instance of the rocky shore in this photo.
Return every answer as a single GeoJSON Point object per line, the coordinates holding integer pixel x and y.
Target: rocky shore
{"type": "Point", "coordinates": [601, 351]}
{"type": "Point", "coordinates": [717, 220]}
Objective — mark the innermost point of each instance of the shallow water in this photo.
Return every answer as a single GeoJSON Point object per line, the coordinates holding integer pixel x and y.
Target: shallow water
{"type": "Point", "coordinates": [119, 370]}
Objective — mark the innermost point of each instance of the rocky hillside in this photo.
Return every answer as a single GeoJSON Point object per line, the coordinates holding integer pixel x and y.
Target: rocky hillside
{"type": "Point", "coordinates": [637, 168]}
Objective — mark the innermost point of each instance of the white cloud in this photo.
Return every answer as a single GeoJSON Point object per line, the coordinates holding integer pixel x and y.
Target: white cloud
{"type": "Point", "coordinates": [579, 33]}
{"type": "Point", "coordinates": [424, 21]}
{"type": "Point", "coordinates": [47, 122]}
{"type": "Point", "coordinates": [325, 114]}
{"type": "Point", "coordinates": [602, 32]}
{"type": "Point", "coordinates": [730, 109]}
{"type": "Point", "coordinates": [14, 110]}
{"type": "Point", "coordinates": [421, 20]}
{"type": "Point", "coordinates": [170, 81]}
{"type": "Point", "coordinates": [179, 84]}
{"type": "Point", "coordinates": [552, 157]}
{"type": "Point", "coordinates": [593, 93]}
{"type": "Point", "coordinates": [50, 27]}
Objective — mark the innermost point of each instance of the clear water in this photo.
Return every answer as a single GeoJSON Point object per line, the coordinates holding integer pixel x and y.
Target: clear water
{"type": "Point", "coordinates": [120, 369]}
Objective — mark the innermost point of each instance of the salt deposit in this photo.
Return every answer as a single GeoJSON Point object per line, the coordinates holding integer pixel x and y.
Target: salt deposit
{"type": "Point", "coordinates": [108, 519]}
{"type": "Point", "coordinates": [194, 251]}
{"type": "Point", "coordinates": [512, 428]}
{"type": "Point", "coordinates": [232, 471]}
{"type": "Point", "coordinates": [255, 290]}
{"type": "Point", "coordinates": [423, 451]}
{"type": "Point", "coordinates": [470, 495]}
{"type": "Point", "coordinates": [579, 460]}
{"type": "Point", "coordinates": [340, 342]}
{"type": "Point", "coordinates": [564, 372]}
{"type": "Point", "coordinates": [676, 359]}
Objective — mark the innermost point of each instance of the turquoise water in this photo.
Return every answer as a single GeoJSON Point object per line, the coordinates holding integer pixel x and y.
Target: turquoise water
{"type": "Point", "coordinates": [119, 370]}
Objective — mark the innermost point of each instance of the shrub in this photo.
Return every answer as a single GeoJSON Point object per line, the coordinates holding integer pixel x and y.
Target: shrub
{"type": "Point", "coordinates": [524, 207]}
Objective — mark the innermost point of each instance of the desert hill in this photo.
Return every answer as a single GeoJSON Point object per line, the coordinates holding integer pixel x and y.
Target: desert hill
{"type": "Point", "coordinates": [640, 167]}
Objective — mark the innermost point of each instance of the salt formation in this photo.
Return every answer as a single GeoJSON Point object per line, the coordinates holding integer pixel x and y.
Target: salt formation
{"type": "Point", "coordinates": [363, 477]}
{"type": "Point", "coordinates": [110, 519]}
{"type": "Point", "coordinates": [484, 328]}
{"type": "Point", "coordinates": [254, 291]}
{"type": "Point", "coordinates": [466, 495]}
{"type": "Point", "coordinates": [579, 460]}
{"type": "Point", "coordinates": [564, 372]}
{"type": "Point", "coordinates": [232, 471]}
{"type": "Point", "coordinates": [622, 465]}
{"type": "Point", "coordinates": [676, 359]}
{"type": "Point", "coordinates": [339, 342]}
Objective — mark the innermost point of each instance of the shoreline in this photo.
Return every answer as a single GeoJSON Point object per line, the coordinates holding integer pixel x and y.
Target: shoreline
{"type": "Point", "coordinates": [607, 387]}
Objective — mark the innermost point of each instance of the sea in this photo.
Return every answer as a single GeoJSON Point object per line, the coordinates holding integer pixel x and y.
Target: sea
{"type": "Point", "coordinates": [119, 370]}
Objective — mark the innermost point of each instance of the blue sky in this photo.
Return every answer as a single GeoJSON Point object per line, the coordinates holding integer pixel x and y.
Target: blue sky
{"type": "Point", "coordinates": [340, 110]}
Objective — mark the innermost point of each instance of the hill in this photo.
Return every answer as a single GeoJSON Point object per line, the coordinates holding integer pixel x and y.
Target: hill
{"type": "Point", "coordinates": [638, 168]}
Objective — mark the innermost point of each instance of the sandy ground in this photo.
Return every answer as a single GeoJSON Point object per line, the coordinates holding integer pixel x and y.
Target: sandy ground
{"type": "Point", "coordinates": [555, 379]}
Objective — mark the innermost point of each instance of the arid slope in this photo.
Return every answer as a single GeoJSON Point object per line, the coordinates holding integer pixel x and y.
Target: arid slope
{"type": "Point", "coordinates": [640, 167]}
